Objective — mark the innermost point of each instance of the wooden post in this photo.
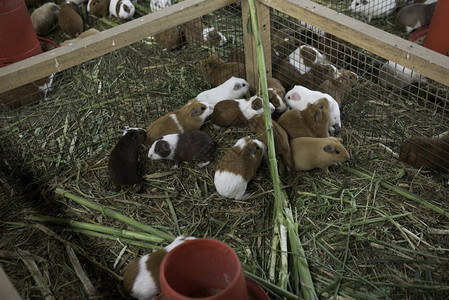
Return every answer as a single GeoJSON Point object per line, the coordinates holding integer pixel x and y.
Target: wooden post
{"type": "Point", "coordinates": [263, 12]}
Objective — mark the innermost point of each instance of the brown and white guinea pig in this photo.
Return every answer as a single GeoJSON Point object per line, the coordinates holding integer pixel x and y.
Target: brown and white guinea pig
{"type": "Point", "coordinates": [123, 161]}
{"type": "Point", "coordinates": [195, 31]}
{"type": "Point", "coordinates": [122, 9]}
{"type": "Point", "coordinates": [310, 152]}
{"type": "Point", "coordinates": [233, 88]}
{"type": "Point", "coordinates": [216, 70]}
{"type": "Point", "coordinates": [304, 57]}
{"type": "Point", "coordinates": [425, 152]}
{"type": "Point", "coordinates": [237, 112]}
{"type": "Point", "coordinates": [189, 117]}
{"type": "Point", "coordinates": [284, 42]}
{"type": "Point", "coordinates": [280, 136]}
{"type": "Point", "coordinates": [141, 276]}
{"type": "Point", "coordinates": [331, 46]}
{"type": "Point", "coordinates": [99, 8]}
{"type": "Point", "coordinates": [69, 20]}
{"type": "Point", "coordinates": [237, 167]}
{"type": "Point", "coordinates": [187, 146]}
{"type": "Point", "coordinates": [84, 34]}
{"type": "Point", "coordinates": [171, 38]}
{"type": "Point", "coordinates": [319, 73]}
{"type": "Point", "coordinates": [310, 122]}
{"type": "Point", "coordinates": [340, 86]}
{"type": "Point", "coordinates": [414, 16]}
{"type": "Point", "coordinates": [45, 17]}
{"type": "Point", "coordinates": [276, 93]}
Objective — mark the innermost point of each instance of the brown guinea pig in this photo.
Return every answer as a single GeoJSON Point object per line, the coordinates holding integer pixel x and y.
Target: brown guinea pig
{"type": "Point", "coordinates": [237, 167]}
{"type": "Point", "coordinates": [281, 144]}
{"type": "Point", "coordinates": [187, 146]}
{"type": "Point", "coordinates": [332, 46]}
{"type": "Point", "coordinates": [84, 34]}
{"type": "Point", "coordinates": [236, 112]}
{"type": "Point", "coordinates": [311, 122]}
{"type": "Point", "coordinates": [309, 153]}
{"type": "Point", "coordinates": [45, 17]}
{"type": "Point", "coordinates": [340, 86]}
{"type": "Point", "coordinates": [276, 93]}
{"type": "Point", "coordinates": [69, 20]}
{"type": "Point", "coordinates": [430, 153]}
{"type": "Point", "coordinates": [99, 8]}
{"type": "Point", "coordinates": [237, 55]}
{"type": "Point", "coordinates": [171, 38]}
{"type": "Point", "coordinates": [141, 276]}
{"type": "Point", "coordinates": [196, 32]}
{"type": "Point", "coordinates": [414, 16]}
{"type": "Point", "coordinates": [284, 42]}
{"type": "Point", "coordinates": [189, 117]}
{"type": "Point", "coordinates": [123, 162]}
{"type": "Point", "coordinates": [216, 70]}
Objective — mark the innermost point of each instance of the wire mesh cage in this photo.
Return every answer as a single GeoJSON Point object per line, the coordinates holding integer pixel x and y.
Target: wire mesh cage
{"type": "Point", "coordinates": [64, 137]}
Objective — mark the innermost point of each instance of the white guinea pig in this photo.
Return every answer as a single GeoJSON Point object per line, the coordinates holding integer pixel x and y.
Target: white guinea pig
{"type": "Point", "coordinates": [233, 88]}
{"type": "Point", "coordinates": [122, 9]}
{"type": "Point", "coordinates": [372, 9]}
{"type": "Point", "coordinates": [304, 58]}
{"type": "Point", "coordinates": [237, 167]}
{"type": "Point", "coordinates": [141, 276]}
{"type": "Point", "coordinates": [397, 76]}
{"type": "Point", "coordinates": [300, 96]}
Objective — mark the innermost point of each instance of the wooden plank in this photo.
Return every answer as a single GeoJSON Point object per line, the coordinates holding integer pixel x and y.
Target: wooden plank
{"type": "Point", "coordinates": [420, 59]}
{"type": "Point", "coordinates": [62, 58]}
{"type": "Point", "coordinates": [263, 16]}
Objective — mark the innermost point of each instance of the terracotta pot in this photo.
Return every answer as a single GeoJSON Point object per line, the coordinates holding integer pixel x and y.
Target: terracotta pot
{"type": "Point", "coordinates": [437, 38]}
{"type": "Point", "coordinates": [202, 268]}
{"type": "Point", "coordinates": [18, 38]}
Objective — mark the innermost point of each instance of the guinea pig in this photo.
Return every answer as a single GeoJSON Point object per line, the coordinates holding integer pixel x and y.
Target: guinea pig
{"type": "Point", "coordinates": [284, 42]}
{"type": "Point", "coordinates": [171, 38]}
{"type": "Point", "coordinates": [425, 152]}
{"type": "Point", "coordinates": [340, 86]}
{"type": "Point", "coordinates": [123, 161]}
{"type": "Point", "coordinates": [156, 5]}
{"type": "Point", "coordinates": [319, 73]}
{"type": "Point", "coordinates": [276, 94]}
{"type": "Point", "coordinates": [310, 152]}
{"type": "Point", "coordinates": [396, 76]}
{"type": "Point", "coordinates": [187, 146]}
{"type": "Point", "coordinates": [99, 8]}
{"type": "Point", "coordinates": [373, 9]}
{"type": "Point", "coordinates": [123, 9]}
{"type": "Point", "coordinates": [216, 70]}
{"type": "Point", "coordinates": [233, 88]}
{"type": "Point", "coordinates": [237, 112]}
{"type": "Point", "coordinates": [237, 55]}
{"type": "Point", "coordinates": [195, 31]}
{"type": "Point", "coordinates": [305, 57]}
{"type": "Point", "coordinates": [280, 137]}
{"type": "Point", "coordinates": [237, 167]}
{"type": "Point", "coordinates": [332, 47]}
{"type": "Point", "coordinates": [299, 96]}
{"type": "Point", "coordinates": [84, 34]}
{"type": "Point", "coordinates": [189, 117]}
{"type": "Point", "coordinates": [69, 20]}
{"type": "Point", "coordinates": [141, 276]}
{"type": "Point", "coordinates": [45, 17]}
{"type": "Point", "coordinates": [310, 122]}
{"type": "Point", "coordinates": [414, 16]}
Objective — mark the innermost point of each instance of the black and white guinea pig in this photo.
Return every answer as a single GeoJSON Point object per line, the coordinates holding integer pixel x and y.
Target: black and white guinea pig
{"type": "Point", "coordinates": [237, 112]}
{"type": "Point", "coordinates": [187, 146]}
{"type": "Point", "coordinates": [189, 117]}
{"type": "Point", "coordinates": [141, 276]}
{"type": "Point", "coordinates": [414, 16]}
{"type": "Point", "coordinates": [237, 167]}
{"type": "Point", "coordinates": [233, 88]}
{"type": "Point", "coordinates": [123, 161]}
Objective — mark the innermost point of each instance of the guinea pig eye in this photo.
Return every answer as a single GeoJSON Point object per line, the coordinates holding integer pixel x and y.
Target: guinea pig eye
{"type": "Point", "coordinates": [321, 107]}
{"type": "Point", "coordinates": [337, 152]}
{"type": "Point", "coordinates": [203, 108]}
{"type": "Point", "coordinates": [93, 3]}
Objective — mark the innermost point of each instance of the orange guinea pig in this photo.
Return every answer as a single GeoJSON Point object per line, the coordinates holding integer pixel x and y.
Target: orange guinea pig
{"type": "Point", "coordinates": [216, 70]}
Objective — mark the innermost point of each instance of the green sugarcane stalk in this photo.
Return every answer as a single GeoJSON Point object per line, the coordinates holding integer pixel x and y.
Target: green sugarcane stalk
{"type": "Point", "coordinates": [111, 213]}
{"type": "Point", "coordinates": [268, 286]}
{"type": "Point", "coordinates": [402, 192]}
{"type": "Point", "coordinates": [99, 228]}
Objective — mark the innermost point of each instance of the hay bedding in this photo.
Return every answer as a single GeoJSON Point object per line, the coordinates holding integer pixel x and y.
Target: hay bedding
{"type": "Point", "coordinates": [362, 239]}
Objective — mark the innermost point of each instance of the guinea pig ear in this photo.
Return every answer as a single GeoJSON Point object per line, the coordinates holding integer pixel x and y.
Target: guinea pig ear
{"type": "Point", "coordinates": [329, 148]}
{"type": "Point", "coordinates": [318, 115]}
{"type": "Point", "coordinates": [237, 86]}
{"type": "Point", "coordinates": [364, 2]}
{"type": "Point", "coordinates": [251, 149]}
{"type": "Point", "coordinates": [257, 104]}
{"type": "Point", "coordinates": [195, 111]}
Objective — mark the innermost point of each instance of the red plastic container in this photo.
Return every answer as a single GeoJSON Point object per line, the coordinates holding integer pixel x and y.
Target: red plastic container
{"type": "Point", "coordinates": [18, 40]}
{"type": "Point", "coordinates": [205, 269]}
{"type": "Point", "coordinates": [437, 38]}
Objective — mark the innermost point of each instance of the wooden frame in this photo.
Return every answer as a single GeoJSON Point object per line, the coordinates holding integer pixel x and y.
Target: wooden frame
{"type": "Point", "coordinates": [422, 60]}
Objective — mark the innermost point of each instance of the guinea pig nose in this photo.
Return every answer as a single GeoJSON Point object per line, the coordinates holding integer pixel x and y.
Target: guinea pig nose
{"type": "Point", "coordinates": [337, 128]}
